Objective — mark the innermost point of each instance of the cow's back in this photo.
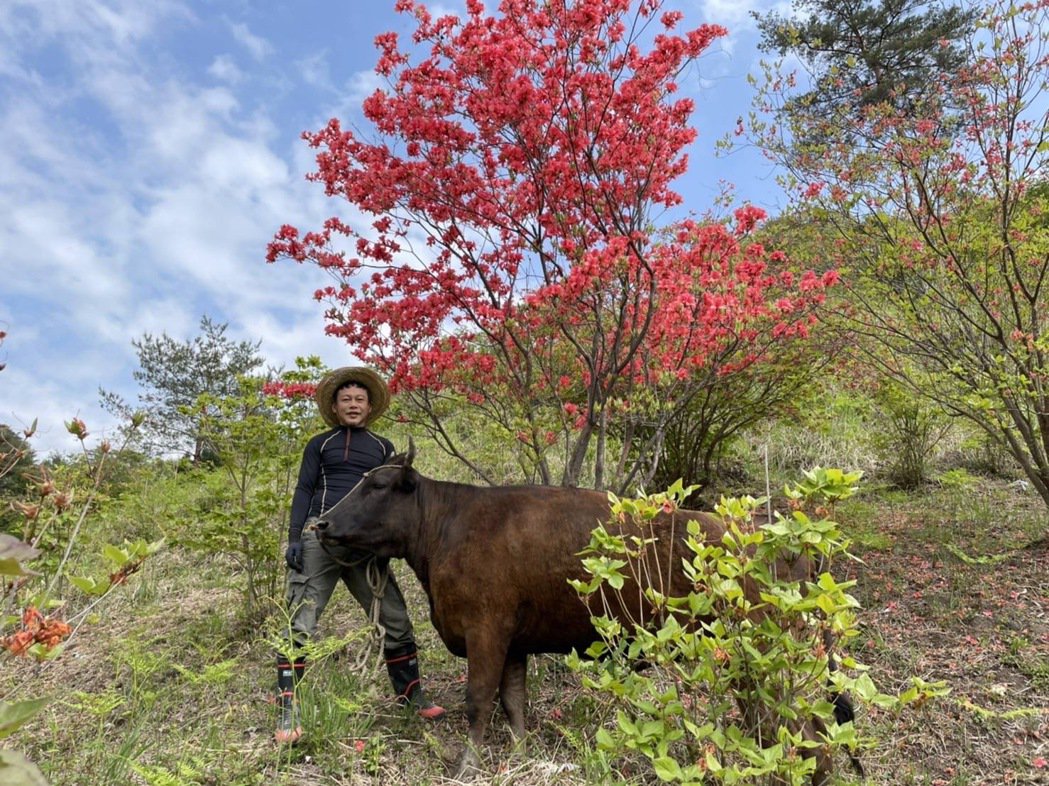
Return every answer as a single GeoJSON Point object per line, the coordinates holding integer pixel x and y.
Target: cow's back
{"type": "Point", "coordinates": [502, 558]}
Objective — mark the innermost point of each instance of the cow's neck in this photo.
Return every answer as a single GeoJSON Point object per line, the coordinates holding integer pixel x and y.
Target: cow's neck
{"type": "Point", "coordinates": [419, 547]}
{"type": "Point", "coordinates": [438, 502]}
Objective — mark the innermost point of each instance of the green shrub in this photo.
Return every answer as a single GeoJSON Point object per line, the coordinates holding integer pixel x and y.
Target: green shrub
{"type": "Point", "coordinates": [739, 668]}
{"type": "Point", "coordinates": [910, 429]}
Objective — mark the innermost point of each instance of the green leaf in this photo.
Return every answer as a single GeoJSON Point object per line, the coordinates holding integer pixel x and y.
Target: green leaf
{"type": "Point", "coordinates": [12, 553]}
{"type": "Point", "coordinates": [667, 769]}
{"type": "Point", "coordinates": [118, 556]}
{"type": "Point", "coordinates": [14, 715]}
{"type": "Point", "coordinates": [604, 739]}
{"type": "Point", "coordinates": [712, 762]}
{"type": "Point", "coordinates": [89, 585]}
{"type": "Point", "coordinates": [626, 724]}
{"type": "Point", "coordinates": [17, 770]}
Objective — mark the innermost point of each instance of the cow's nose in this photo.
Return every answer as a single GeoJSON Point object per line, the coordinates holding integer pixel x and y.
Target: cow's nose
{"type": "Point", "coordinates": [321, 524]}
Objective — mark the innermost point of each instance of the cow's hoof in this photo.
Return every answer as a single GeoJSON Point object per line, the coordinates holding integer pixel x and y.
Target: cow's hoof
{"type": "Point", "coordinates": [468, 766]}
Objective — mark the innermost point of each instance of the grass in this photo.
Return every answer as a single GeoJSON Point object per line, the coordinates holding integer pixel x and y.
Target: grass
{"type": "Point", "coordinates": [951, 592]}
{"type": "Point", "coordinates": [165, 688]}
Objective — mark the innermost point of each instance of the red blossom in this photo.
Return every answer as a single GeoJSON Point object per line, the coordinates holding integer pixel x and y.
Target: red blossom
{"type": "Point", "coordinates": [289, 390]}
{"type": "Point", "coordinates": [36, 628]}
{"type": "Point", "coordinates": [484, 143]}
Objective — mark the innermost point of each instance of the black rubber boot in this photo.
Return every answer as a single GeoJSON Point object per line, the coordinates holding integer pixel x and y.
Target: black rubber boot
{"type": "Point", "coordinates": [403, 667]}
{"type": "Point", "coordinates": [289, 726]}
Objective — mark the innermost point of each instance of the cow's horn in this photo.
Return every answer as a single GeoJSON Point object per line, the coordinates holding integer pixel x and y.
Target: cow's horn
{"type": "Point", "coordinates": [411, 453]}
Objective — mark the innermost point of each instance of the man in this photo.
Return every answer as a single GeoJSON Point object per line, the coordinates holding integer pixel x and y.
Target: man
{"type": "Point", "coordinates": [333, 462]}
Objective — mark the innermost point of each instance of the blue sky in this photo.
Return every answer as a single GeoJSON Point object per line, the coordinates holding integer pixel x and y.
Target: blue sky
{"type": "Point", "coordinates": [149, 151]}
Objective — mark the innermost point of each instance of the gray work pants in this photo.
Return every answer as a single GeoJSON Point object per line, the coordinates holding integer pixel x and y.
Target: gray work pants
{"type": "Point", "coordinates": [323, 566]}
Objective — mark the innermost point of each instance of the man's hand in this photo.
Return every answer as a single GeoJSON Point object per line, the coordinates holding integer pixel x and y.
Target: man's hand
{"type": "Point", "coordinates": [293, 556]}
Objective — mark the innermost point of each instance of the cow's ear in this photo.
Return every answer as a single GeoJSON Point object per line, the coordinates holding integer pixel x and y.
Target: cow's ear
{"type": "Point", "coordinates": [406, 481]}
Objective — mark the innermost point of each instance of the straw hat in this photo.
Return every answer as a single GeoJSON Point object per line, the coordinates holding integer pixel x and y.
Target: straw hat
{"type": "Point", "coordinates": [378, 393]}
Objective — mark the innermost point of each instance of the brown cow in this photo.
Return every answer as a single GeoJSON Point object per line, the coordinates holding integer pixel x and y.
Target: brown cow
{"type": "Point", "coordinates": [495, 564]}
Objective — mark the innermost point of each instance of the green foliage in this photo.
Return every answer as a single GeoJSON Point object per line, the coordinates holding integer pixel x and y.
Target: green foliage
{"type": "Point", "coordinates": [213, 674]}
{"type": "Point", "coordinates": [13, 553]}
{"type": "Point", "coordinates": [697, 441]}
{"type": "Point", "coordinates": [174, 375]}
{"type": "Point", "coordinates": [185, 774]}
{"type": "Point", "coordinates": [833, 428]}
{"type": "Point", "coordinates": [16, 770]}
{"type": "Point", "coordinates": [100, 705]}
{"type": "Point", "coordinates": [257, 440]}
{"type": "Point", "coordinates": [164, 681]}
{"type": "Point", "coordinates": [981, 560]}
{"type": "Point", "coordinates": [910, 431]}
{"type": "Point", "coordinates": [866, 53]}
{"type": "Point", "coordinates": [953, 346]}
{"type": "Point", "coordinates": [57, 512]}
{"type": "Point", "coordinates": [12, 716]}
{"type": "Point", "coordinates": [974, 450]}
{"type": "Point", "coordinates": [752, 634]}
{"type": "Point", "coordinates": [826, 485]}
{"type": "Point", "coordinates": [17, 462]}
{"type": "Point", "coordinates": [957, 478]}
{"type": "Point", "coordinates": [122, 561]}
{"type": "Point", "coordinates": [153, 500]}
{"type": "Point", "coordinates": [942, 227]}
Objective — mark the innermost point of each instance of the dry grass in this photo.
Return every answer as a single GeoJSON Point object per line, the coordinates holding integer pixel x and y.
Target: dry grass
{"type": "Point", "coordinates": [165, 689]}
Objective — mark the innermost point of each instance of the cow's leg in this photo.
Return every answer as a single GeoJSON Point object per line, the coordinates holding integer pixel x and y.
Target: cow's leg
{"type": "Point", "coordinates": [815, 730]}
{"type": "Point", "coordinates": [485, 656]}
{"type": "Point", "coordinates": [512, 693]}
{"type": "Point", "coordinates": [759, 722]}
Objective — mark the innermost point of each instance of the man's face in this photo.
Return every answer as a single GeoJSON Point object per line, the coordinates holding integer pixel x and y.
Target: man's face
{"type": "Point", "coordinates": [351, 406]}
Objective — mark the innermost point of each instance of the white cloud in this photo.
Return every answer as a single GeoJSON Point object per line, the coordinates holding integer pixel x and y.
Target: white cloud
{"type": "Point", "coordinates": [163, 218]}
{"type": "Point", "coordinates": [361, 85]}
{"type": "Point", "coordinates": [224, 68]}
{"type": "Point", "coordinates": [315, 70]}
{"type": "Point", "coordinates": [143, 172]}
{"type": "Point", "coordinates": [437, 10]}
{"type": "Point", "coordinates": [258, 47]}
{"type": "Point", "coordinates": [733, 14]}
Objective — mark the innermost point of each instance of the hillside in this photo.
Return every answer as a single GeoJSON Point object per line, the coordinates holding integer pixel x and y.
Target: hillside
{"type": "Point", "coordinates": [163, 688]}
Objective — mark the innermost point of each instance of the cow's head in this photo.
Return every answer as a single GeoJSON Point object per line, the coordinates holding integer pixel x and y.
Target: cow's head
{"type": "Point", "coordinates": [380, 515]}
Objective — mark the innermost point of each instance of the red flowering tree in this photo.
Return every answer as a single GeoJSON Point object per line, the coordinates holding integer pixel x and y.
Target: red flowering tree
{"type": "Point", "coordinates": [513, 265]}
{"type": "Point", "coordinates": [944, 211]}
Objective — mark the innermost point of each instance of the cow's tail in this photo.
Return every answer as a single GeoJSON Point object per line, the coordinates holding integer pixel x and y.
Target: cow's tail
{"type": "Point", "coordinates": [844, 709]}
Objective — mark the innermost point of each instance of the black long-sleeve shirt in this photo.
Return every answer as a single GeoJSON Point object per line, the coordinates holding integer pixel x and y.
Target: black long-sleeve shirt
{"type": "Point", "coordinates": [332, 464]}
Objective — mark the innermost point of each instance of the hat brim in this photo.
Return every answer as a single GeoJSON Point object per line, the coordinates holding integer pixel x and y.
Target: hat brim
{"type": "Point", "coordinates": [378, 392]}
